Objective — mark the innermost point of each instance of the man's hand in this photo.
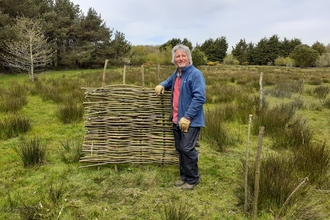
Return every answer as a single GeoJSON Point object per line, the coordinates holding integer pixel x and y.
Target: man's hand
{"type": "Point", "coordinates": [184, 124]}
{"type": "Point", "coordinates": [159, 90]}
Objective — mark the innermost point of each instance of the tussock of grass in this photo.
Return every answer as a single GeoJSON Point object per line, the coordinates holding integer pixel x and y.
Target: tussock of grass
{"type": "Point", "coordinates": [72, 150]}
{"type": "Point", "coordinates": [321, 92]}
{"type": "Point", "coordinates": [217, 134]}
{"type": "Point", "coordinates": [13, 126]}
{"type": "Point", "coordinates": [31, 151]}
{"type": "Point", "coordinates": [274, 119]}
{"type": "Point", "coordinates": [13, 99]}
{"type": "Point", "coordinates": [70, 112]}
{"type": "Point", "coordinates": [176, 210]}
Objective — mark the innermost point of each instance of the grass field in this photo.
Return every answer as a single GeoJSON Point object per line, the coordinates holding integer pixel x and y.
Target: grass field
{"type": "Point", "coordinates": [57, 188]}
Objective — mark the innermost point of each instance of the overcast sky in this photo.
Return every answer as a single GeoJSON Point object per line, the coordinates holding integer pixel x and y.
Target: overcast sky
{"type": "Point", "coordinates": [154, 22]}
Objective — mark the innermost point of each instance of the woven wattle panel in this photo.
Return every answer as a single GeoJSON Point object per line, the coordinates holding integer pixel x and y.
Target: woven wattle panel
{"type": "Point", "coordinates": [127, 124]}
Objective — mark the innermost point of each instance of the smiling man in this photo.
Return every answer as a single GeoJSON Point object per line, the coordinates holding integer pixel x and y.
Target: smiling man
{"type": "Point", "coordinates": [187, 85]}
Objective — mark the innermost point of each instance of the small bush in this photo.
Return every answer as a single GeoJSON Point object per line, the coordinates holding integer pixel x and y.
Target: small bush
{"type": "Point", "coordinates": [31, 151]}
{"type": "Point", "coordinates": [72, 150]}
{"type": "Point", "coordinates": [70, 112]}
{"type": "Point", "coordinates": [13, 126]}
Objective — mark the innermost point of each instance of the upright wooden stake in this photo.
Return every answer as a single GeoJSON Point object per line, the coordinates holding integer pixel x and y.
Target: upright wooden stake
{"type": "Point", "coordinates": [158, 72]}
{"type": "Point", "coordinates": [247, 164]}
{"type": "Point", "coordinates": [257, 173]}
{"type": "Point", "coordinates": [104, 70]}
{"type": "Point", "coordinates": [302, 86]}
{"type": "Point", "coordinates": [124, 75]}
{"type": "Point", "coordinates": [142, 73]}
{"type": "Point", "coordinates": [260, 85]}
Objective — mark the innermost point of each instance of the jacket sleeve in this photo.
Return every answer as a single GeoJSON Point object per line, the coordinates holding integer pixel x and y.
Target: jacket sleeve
{"type": "Point", "coordinates": [168, 82]}
{"type": "Point", "coordinates": [198, 88]}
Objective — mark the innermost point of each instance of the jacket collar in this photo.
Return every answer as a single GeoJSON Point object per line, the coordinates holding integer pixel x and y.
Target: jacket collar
{"type": "Point", "coordinates": [184, 69]}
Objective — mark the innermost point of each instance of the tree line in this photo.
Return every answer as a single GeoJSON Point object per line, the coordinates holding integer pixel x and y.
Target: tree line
{"type": "Point", "coordinates": [57, 34]}
{"type": "Point", "coordinates": [268, 51]}
{"type": "Point", "coordinates": [77, 40]}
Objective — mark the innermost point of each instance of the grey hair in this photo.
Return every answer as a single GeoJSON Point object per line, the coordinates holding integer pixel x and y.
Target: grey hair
{"type": "Point", "coordinates": [184, 49]}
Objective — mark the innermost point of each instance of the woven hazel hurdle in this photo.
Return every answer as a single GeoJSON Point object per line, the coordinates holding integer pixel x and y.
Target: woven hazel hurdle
{"type": "Point", "coordinates": [127, 124]}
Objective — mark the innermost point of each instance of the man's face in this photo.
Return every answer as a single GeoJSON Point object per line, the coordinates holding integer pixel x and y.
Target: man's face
{"type": "Point", "coordinates": [181, 58]}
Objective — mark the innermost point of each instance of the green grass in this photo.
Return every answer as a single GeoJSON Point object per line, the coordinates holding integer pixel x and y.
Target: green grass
{"type": "Point", "coordinates": [59, 189]}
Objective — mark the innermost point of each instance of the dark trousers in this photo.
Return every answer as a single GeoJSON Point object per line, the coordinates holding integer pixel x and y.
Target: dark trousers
{"type": "Point", "coordinates": [185, 143]}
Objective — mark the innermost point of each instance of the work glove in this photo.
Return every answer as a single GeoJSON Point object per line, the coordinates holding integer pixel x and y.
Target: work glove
{"type": "Point", "coordinates": [184, 124]}
{"type": "Point", "coordinates": [159, 90]}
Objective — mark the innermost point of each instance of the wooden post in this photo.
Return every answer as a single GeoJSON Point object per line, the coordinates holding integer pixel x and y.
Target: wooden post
{"type": "Point", "coordinates": [247, 164]}
{"type": "Point", "coordinates": [257, 173]}
{"type": "Point", "coordinates": [302, 86]}
{"type": "Point", "coordinates": [104, 70]}
{"type": "Point", "coordinates": [260, 85]}
{"type": "Point", "coordinates": [158, 72]}
{"type": "Point", "coordinates": [142, 73]}
{"type": "Point", "coordinates": [124, 75]}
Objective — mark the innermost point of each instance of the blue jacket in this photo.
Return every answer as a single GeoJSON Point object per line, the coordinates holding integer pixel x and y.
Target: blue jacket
{"type": "Point", "coordinates": [192, 94]}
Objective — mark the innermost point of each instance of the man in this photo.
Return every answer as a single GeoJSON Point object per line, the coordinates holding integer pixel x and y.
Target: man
{"type": "Point", "coordinates": [187, 85]}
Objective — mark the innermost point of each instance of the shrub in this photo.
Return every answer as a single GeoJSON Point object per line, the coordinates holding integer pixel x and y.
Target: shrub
{"type": "Point", "coordinates": [281, 61]}
{"type": "Point", "coordinates": [13, 126]}
{"type": "Point", "coordinates": [31, 151]}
